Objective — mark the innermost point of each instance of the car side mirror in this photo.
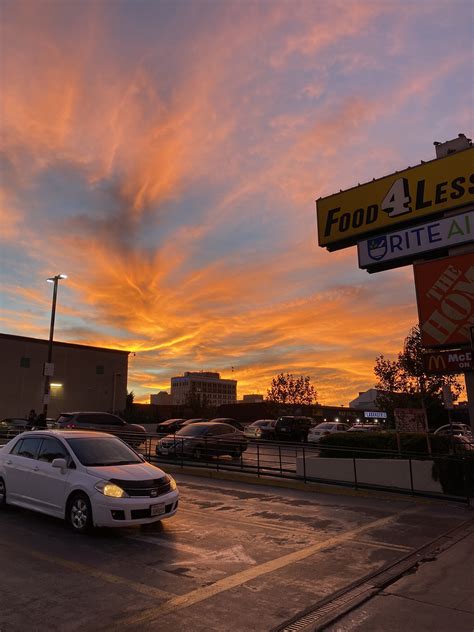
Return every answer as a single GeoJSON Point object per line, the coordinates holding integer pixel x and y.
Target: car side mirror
{"type": "Point", "coordinates": [59, 463]}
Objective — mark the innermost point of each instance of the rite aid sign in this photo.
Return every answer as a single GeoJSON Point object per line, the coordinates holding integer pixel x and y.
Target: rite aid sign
{"type": "Point", "coordinates": [409, 243]}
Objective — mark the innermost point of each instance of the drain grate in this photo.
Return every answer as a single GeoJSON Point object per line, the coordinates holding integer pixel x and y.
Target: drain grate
{"type": "Point", "coordinates": [335, 606]}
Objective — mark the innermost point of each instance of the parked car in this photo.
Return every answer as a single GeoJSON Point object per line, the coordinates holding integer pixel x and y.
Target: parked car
{"type": "Point", "coordinates": [364, 428]}
{"type": "Point", "coordinates": [203, 439]}
{"type": "Point", "coordinates": [229, 421]}
{"type": "Point", "coordinates": [11, 426]}
{"type": "Point", "coordinates": [261, 429]}
{"type": "Point", "coordinates": [321, 430]}
{"type": "Point", "coordinates": [88, 478]}
{"type": "Point", "coordinates": [195, 420]}
{"type": "Point", "coordinates": [456, 429]}
{"type": "Point", "coordinates": [463, 444]}
{"type": "Point", "coordinates": [133, 434]}
{"type": "Point", "coordinates": [169, 426]}
{"type": "Point", "coordinates": [292, 428]}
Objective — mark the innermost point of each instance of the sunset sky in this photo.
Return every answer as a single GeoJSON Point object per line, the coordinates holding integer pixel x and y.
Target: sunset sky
{"type": "Point", "coordinates": [166, 156]}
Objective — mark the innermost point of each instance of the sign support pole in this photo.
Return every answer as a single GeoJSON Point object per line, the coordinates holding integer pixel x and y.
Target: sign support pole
{"type": "Point", "coordinates": [469, 379]}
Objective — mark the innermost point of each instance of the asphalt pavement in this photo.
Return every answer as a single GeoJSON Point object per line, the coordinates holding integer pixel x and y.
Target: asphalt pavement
{"type": "Point", "coordinates": [437, 597]}
{"type": "Point", "coordinates": [235, 557]}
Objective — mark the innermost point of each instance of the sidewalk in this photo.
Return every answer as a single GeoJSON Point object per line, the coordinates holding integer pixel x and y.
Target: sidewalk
{"type": "Point", "coordinates": [439, 596]}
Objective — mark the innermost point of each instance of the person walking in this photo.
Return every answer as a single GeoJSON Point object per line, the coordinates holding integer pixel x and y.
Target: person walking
{"type": "Point", "coordinates": [31, 419]}
{"type": "Point", "coordinates": [40, 423]}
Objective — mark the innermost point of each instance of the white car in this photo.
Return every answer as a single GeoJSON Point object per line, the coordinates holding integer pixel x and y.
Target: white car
{"type": "Point", "coordinates": [87, 478]}
{"type": "Point", "coordinates": [457, 429]}
{"type": "Point", "coordinates": [318, 432]}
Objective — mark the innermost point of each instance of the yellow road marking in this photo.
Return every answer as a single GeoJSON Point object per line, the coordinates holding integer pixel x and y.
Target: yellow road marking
{"type": "Point", "coordinates": [232, 581]}
{"type": "Point", "coordinates": [85, 569]}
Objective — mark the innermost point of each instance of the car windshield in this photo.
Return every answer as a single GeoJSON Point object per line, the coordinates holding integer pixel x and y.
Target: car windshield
{"type": "Point", "coordinates": [103, 451]}
{"type": "Point", "coordinates": [259, 424]}
{"type": "Point", "coordinates": [324, 427]}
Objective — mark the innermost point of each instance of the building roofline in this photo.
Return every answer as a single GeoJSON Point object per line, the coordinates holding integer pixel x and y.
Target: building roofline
{"type": "Point", "coordinates": [73, 345]}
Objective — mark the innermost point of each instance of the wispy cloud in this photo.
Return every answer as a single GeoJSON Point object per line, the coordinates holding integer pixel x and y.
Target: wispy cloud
{"type": "Point", "coordinates": [168, 158]}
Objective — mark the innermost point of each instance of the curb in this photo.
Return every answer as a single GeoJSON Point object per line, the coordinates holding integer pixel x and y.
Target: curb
{"type": "Point", "coordinates": [315, 488]}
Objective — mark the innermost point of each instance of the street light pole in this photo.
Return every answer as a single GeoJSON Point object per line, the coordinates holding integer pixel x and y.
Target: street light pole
{"type": "Point", "coordinates": [47, 367]}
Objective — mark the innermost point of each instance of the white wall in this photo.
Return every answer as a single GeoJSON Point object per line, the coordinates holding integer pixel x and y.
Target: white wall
{"type": "Point", "coordinates": [388, 472]}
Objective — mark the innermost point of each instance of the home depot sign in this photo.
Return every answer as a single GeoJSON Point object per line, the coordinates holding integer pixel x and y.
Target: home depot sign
{"type": "Point", "coordinates": [445, 296]}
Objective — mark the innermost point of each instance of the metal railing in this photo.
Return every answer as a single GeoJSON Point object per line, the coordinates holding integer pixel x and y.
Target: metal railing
{"type": "Point", "coordinates": [452, 473]}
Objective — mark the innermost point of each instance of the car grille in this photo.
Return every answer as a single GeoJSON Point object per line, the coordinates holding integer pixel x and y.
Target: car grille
{"type": "Point", "coordinates": [151, 488]}
{"type": "Point", "coordinates": [138, 514]}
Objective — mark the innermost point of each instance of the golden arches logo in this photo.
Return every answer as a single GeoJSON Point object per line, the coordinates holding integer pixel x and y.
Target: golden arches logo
{"type": "Point", "coordinates": [436, 362]}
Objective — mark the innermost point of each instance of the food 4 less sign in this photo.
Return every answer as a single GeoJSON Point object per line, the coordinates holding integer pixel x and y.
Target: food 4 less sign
{"type": "Point", "coordinates": [401, 198]}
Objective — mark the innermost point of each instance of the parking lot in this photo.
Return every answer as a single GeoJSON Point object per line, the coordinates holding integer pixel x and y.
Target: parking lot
{"type": "Point", "coordinates": [235, 556]}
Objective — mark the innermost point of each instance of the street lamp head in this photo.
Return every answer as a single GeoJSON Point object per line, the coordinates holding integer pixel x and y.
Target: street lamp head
{"type": "Point", "coordinates": [56, 278]}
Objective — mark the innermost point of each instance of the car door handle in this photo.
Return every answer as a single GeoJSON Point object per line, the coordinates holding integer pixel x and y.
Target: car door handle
{"type": "Point", "coordinates": [9, 462]}
{"type": "Point", "coordinates": [36, 468]}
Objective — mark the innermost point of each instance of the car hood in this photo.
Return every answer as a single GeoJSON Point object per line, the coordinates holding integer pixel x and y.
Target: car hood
{"type": "Point", "coordinates": [135, 472]}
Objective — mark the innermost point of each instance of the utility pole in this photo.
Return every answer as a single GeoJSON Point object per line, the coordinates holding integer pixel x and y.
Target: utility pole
{"type": "Point", "coordinates": [49, 367]}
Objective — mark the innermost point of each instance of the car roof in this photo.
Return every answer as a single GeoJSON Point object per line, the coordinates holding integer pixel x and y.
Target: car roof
{"type": "Point", "coordinates": [88, 412]}
{"type": "Point", "coordinates": [77, 434]}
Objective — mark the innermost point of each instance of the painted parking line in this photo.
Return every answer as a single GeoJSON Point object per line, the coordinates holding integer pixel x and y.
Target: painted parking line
{"type": "Point", "coordinates": [206, 592]}
{"type": "Point", "coordinates": [90, 571]}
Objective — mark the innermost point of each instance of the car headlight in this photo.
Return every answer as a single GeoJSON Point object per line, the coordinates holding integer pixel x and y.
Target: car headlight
{"type": "Point", "coordinates": [110, 489]}
{"type": "Point", "coordinates": [172, 483]}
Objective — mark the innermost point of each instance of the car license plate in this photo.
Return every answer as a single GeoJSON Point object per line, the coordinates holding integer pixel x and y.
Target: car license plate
{"type": "Point", "coordinates": [157, 510]}
{"type": "Point", "coordinates": [164, 450]}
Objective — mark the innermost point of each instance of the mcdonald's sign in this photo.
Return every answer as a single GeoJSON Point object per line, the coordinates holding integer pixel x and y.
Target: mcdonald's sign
{"type": "Point", "coordinates": [448, 362]}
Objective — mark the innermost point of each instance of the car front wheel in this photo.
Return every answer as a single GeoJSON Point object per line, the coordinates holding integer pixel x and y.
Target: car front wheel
{"type": "Point", "coordinates": [79, 513]}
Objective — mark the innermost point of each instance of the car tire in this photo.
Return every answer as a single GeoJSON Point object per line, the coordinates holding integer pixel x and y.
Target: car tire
{"type": "Point", "coordinates": [3, 494]}
{"type": "Point", "coordinates": [79, 513]}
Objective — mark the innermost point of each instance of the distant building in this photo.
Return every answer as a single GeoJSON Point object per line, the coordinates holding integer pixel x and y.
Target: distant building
{"type": "Point", "coordinates": [208, 387]}
{"type": "Point", "coordinates": [366, 400]}
{"type": "Point", "coordinates": [85, 377]}
{"type": "Point", "coordinates": [163, 398]}
{"type": "Point", "coordinates": [252, 399]}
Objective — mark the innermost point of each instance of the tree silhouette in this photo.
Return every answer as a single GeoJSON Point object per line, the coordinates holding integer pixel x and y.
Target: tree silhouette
{"type": "Point", "coordinates": [288, 389]}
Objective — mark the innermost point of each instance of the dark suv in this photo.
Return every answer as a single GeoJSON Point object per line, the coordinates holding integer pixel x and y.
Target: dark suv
{"type": "Point", "coordinates": [133, 434]}
{"type": "Point", "coordinates": [292, 428]}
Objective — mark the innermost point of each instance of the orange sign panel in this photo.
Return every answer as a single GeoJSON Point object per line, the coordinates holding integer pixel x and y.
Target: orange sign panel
{"type": "Point", "coordinates": [445, 296]}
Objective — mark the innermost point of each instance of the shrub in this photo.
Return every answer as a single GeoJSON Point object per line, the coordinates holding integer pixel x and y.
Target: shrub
{"type": "Point", "coordinates": [456, 476]}
{"type": "Point", "coordinates": [381, 445]}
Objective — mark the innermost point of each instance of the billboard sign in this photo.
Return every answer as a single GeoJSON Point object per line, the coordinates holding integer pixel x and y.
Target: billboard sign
{"type": "Point", "coordinates": [410, 420]}
{"type": "Point", "coordinates": [398, 199]}
{"type": "Point", "coordinates": [445, 297]}
{"type": "Point", "coordinates": [413, 241]}
{"type": "Point", "coordinates": [446, 362]}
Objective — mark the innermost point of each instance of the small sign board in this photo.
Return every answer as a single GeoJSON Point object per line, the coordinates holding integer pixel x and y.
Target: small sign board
{"type": "Point", "coordinates": [445, 298]}
{"type": "Point", "coordinates": [48, 369]}
{"type": "Point", "coordinates": [447, 362]}
{"type": "Point", "coordinates": [402, 198]}
{"type": "Point", "coordinates": [374, 414]}
{"type": "Point", "coordinates": [404, 246]}
{"type": "Point", "coordinates": [410, 420]}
